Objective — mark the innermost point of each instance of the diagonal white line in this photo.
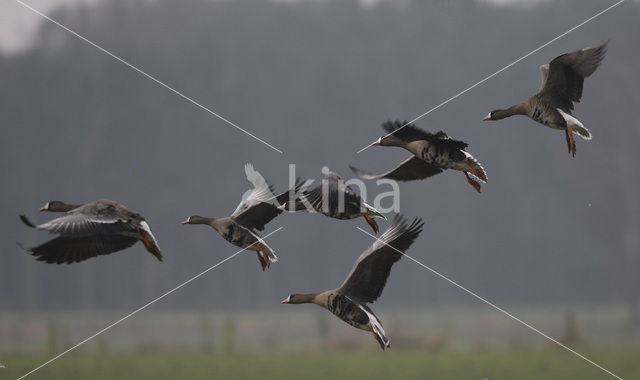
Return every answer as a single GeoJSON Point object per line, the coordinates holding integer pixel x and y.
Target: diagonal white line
{"type": "Point", "coordinates": [494, 306]}
{"type": "Point", "coordinates": [148, 76]}
{"type": "Point", "coordinates": [502, 69]}
{"type": "Point", "coordinates": [142, 307]}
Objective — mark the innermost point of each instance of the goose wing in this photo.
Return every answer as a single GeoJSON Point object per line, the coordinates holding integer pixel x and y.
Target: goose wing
{"type": "Point", "coordinates": [336, 189]}
{"type": "Point", "coordinates": [408, 132]}
{"type": "Point", "coordinates": [565, 79]}
{"type": "Point", "coordinates": [260, 205]}
{"type": "Point", "coordinates": [544, 73]}
{"type": "Point", "coordinates": [96, 218]}
{"type": "Point", "coordinates": [370, 272]}
{"type": "Point", "coordinates": [64, 249]}
{"type": "Point", "coordinates": [411, 169]}
{"type": "Point", "coordinates": [259, 213]}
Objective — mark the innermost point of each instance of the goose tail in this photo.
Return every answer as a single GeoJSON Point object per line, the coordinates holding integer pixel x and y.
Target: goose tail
{"type": "Point", "coordinates": [270, 253]}
{"type": "Point", "coordinates": [476, 168]}
{"type": "Point", "coordinates": [582, 132]}
{"type": "Point", "coordinates": [378, 333]}
{"type": "Point", "coordinates": [149, 241]}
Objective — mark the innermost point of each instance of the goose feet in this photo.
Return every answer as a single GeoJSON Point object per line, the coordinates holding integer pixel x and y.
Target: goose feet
{"type": "Point", "coordinates": [262, 256]}
{"type": "Point", "coordinates": [475, 171]}
{"type": "Point", "coordinates": [371, 222]}
{"type": "Point", "coordinates": [472, 182]}
{"type": "Point", "coordinates": [571, 143]}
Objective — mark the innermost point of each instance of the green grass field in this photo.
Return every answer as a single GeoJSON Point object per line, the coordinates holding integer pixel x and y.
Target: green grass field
{"type": "Point", "coordinates": [523, 364]}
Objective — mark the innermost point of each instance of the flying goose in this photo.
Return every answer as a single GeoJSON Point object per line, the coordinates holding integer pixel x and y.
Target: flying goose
{"type": "Point", "coordinates": [258, 207]}
{"type": "Point", "coordinates": [562, 81]}
{"type": "Point", "coordinates": [367, 280]}
{"type": "Point", "coordinates": [432, 153]}
{"type": "Point", "coordinates": [96, 228]}
{"type": "Point", "coordinates": [338, 201]}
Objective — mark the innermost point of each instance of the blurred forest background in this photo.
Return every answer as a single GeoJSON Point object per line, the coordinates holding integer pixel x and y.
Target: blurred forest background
{"type": "Point", "coordinates": [316, 79]}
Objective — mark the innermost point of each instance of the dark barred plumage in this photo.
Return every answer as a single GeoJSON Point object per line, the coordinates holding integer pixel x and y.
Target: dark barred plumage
{"type": "Point", "coordinates": [347, 310]}
{"type": "Point", "coordinates": [432, 153]}
{"type": "Point", "coordinates": [410, 133]}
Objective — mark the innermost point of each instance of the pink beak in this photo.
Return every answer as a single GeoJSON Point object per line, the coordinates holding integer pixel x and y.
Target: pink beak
{"type": "Point", "coordinates": [43, 208]}
{"type": "Point", "coordinates": [282, 206]}
{"type": "Point", "coordinates": [488, 117]}
{"type": "Point", "coordinates": [286, 300]}
{"type": "Point", "coordinates": [186, 221]}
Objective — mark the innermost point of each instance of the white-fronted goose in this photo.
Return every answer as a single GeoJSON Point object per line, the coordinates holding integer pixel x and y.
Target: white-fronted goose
{"type": "Point", "coordinates": [335, 199]}
{"type": "Point", "coordinates": [562, 81]}
{"type": "Point", "coordinates": [367, 280]}
{"type": "Point", "coordinates": [258, 207]}
{"type": "Point", "coordinates": [95, 228]}
{"type": "Point", "coordinates": [432, 153]}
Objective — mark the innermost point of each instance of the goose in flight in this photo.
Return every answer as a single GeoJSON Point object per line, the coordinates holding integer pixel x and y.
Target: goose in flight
{"type": "Point", "coordinates": [367, 280]}
{"type": "Point", "coordinates": [562, 82]}
{"type": "Point", "coordinates": [335, 199]}
{"type": "Point", "coordinates": [432, 154]}
{"type": "Point", "coordinates": [96, 228]}
{"type": "Point", "coordinates": [257, 208]}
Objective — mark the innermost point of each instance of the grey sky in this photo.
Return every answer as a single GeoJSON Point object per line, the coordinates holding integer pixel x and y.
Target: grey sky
{"type": "Point", "coordinates": [17, 23]}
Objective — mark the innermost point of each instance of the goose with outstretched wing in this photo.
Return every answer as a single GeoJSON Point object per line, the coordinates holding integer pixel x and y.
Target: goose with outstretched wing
{"type": "Point", "coordinates": [96, 228]}
{"type": "Point", "coordinates": [257, 208]}
{"type": "Point", "coordinates": [562, 84]}
{"type": "Point", "coordinates": [367, 279]}
{"type": "Point", "coordinates": [335, 199]}
{"type": "Point", "coordinates": [432, 154]}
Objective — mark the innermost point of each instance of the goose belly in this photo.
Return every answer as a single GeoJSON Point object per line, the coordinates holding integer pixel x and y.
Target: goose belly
{"type": "Point", "coordinates": [438, 156]}
{"type": "Point", "coordinates": [347, 211]}
{"type": "Point", "coordinates": [238, 237]}
{"type": "Point", "coordinates": [350, 211]}
{"type": "Point", "coordinates": [349, 311]}
{"type": "Point", "coordinates": [549, 117]}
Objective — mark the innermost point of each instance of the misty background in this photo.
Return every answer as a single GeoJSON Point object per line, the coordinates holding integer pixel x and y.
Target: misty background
{"type": "Point", "coordinates": [316, 79]}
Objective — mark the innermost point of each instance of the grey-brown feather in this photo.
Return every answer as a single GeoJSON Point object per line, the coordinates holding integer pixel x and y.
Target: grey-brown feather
{"type": "Point", "coordinates": [411, 169]}
{"type": "Point", "coordinates": [69, 250]}
{"type": "Point", "coordinates": [254, 215]}
{"type": "Point", "coordinates": [566, 75]}
{"type": "Point", "coordinates": [409, 132]}
{"type": "Point", "coordinates": [336, 189]}
{"type": "Point", "coordinates": [370, 272]}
